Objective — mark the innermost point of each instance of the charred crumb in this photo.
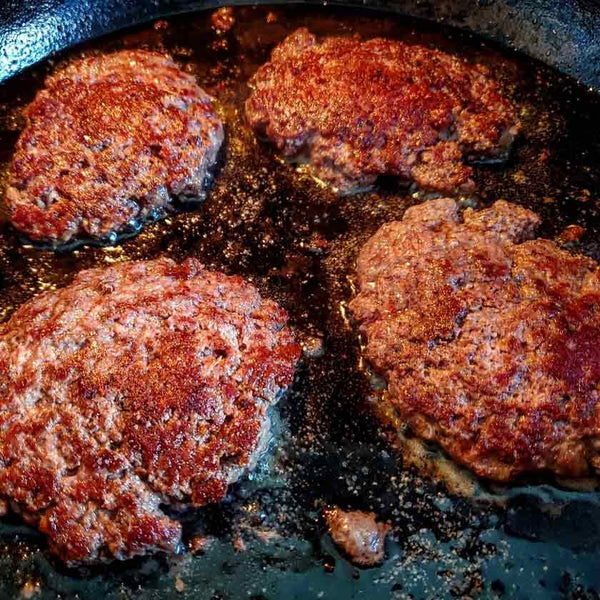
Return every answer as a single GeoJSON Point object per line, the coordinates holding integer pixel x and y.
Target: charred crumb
{"type": "Point", "coordinates": [223, 19]}
{"type": "Point", "coordinates": [239, 544]}
{"type": "Point", "coordinates": [571, 235]}
{"type": "Point", "coordinates": [358, 535]}
{"type": "Point", "coordinates": [200, 545]}
{"type": "Point", "coordinates": [313, 346]}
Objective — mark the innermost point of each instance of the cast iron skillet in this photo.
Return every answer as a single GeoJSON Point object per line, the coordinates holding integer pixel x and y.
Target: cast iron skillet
{"type": "Point", "coordinates": [561, 33]}
{"type": "Point", "coordinates": [297, 242]}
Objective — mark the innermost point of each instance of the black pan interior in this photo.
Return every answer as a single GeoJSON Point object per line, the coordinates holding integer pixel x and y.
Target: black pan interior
{"type": "Point", "coordinates": [297, 241]}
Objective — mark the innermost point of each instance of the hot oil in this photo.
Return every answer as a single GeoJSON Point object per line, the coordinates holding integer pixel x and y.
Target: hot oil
{"type": "Point", "coordinates": [297, 241]}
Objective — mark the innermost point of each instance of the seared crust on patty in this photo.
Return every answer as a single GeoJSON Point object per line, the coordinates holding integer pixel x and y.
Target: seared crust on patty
{"type": "Point", "coordinates": [360, 109]}
{"type": "Point", "coordinates": [109, 141]}
{"type": "Point", "coordinates": [490, 343]}
{"type": "Point", "coordinates": [137, 385]}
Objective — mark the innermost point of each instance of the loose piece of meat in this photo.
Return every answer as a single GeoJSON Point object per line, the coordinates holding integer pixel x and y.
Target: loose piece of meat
{"type": "Point", "coordinates": [137, 385]}
{"type": "Point", "coordinates": [358, 535]}
{"type": "Point", "coordinates": [223, 19]}
{"type": "Point", "coordinates": [360, 109]}
{"type": "Point", "coordinates": [109, 142]}
{"type": "Point", "coordinates": [488, 338]}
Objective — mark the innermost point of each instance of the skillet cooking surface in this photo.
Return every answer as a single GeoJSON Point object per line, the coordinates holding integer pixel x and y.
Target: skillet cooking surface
{"type": "Point", "coordinates": [297, 242]}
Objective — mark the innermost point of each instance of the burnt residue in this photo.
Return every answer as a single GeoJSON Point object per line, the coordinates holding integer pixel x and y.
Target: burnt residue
{"type": "Point", "coordinates": [297, 242]}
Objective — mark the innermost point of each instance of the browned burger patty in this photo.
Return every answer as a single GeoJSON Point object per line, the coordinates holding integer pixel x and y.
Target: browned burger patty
{"type": "Point", "coordinates": [109, 141]}
{"type": "Point", "coordinates": [490, 344]}
{"type": "Point", "coordinates": [137, 385]}
{"type": "Point", "coordinates": [360, 109]}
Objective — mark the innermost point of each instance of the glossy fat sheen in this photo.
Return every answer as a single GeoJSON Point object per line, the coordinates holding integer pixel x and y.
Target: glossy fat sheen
{"type": "Point", "coordinates": [489, 342]}
{"type": "Point", "coordinates": [361, 109]}
{"type": "Point", "coordinates": [109, 141]}
{"type": "Point", "coordinates": [139, 384]}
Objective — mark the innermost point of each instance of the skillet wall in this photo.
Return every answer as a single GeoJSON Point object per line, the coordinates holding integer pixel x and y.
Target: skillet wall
{"type": "Point", "coordinates": [562, 33]}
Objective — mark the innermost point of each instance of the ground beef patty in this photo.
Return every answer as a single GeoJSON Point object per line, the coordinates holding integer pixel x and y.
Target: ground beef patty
{"type": "Point", "coordinates": [137, 385]}
{"type": "Point", "coordinates": [360, 109]}
{"type": "Point", "coordinates": [489, 343]}
{"type": "Point", "coordinates": [109, 141]}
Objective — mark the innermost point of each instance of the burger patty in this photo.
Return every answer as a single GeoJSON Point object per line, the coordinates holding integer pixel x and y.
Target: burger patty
{"type": "Point", "coordinates": [138, 385]}
{"type": "Point", "coordinates": [360, 109]}
{"type": "Point", "coordinates": [489, 343]}
{"type": "Point", "coordinates": [109, 142]}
